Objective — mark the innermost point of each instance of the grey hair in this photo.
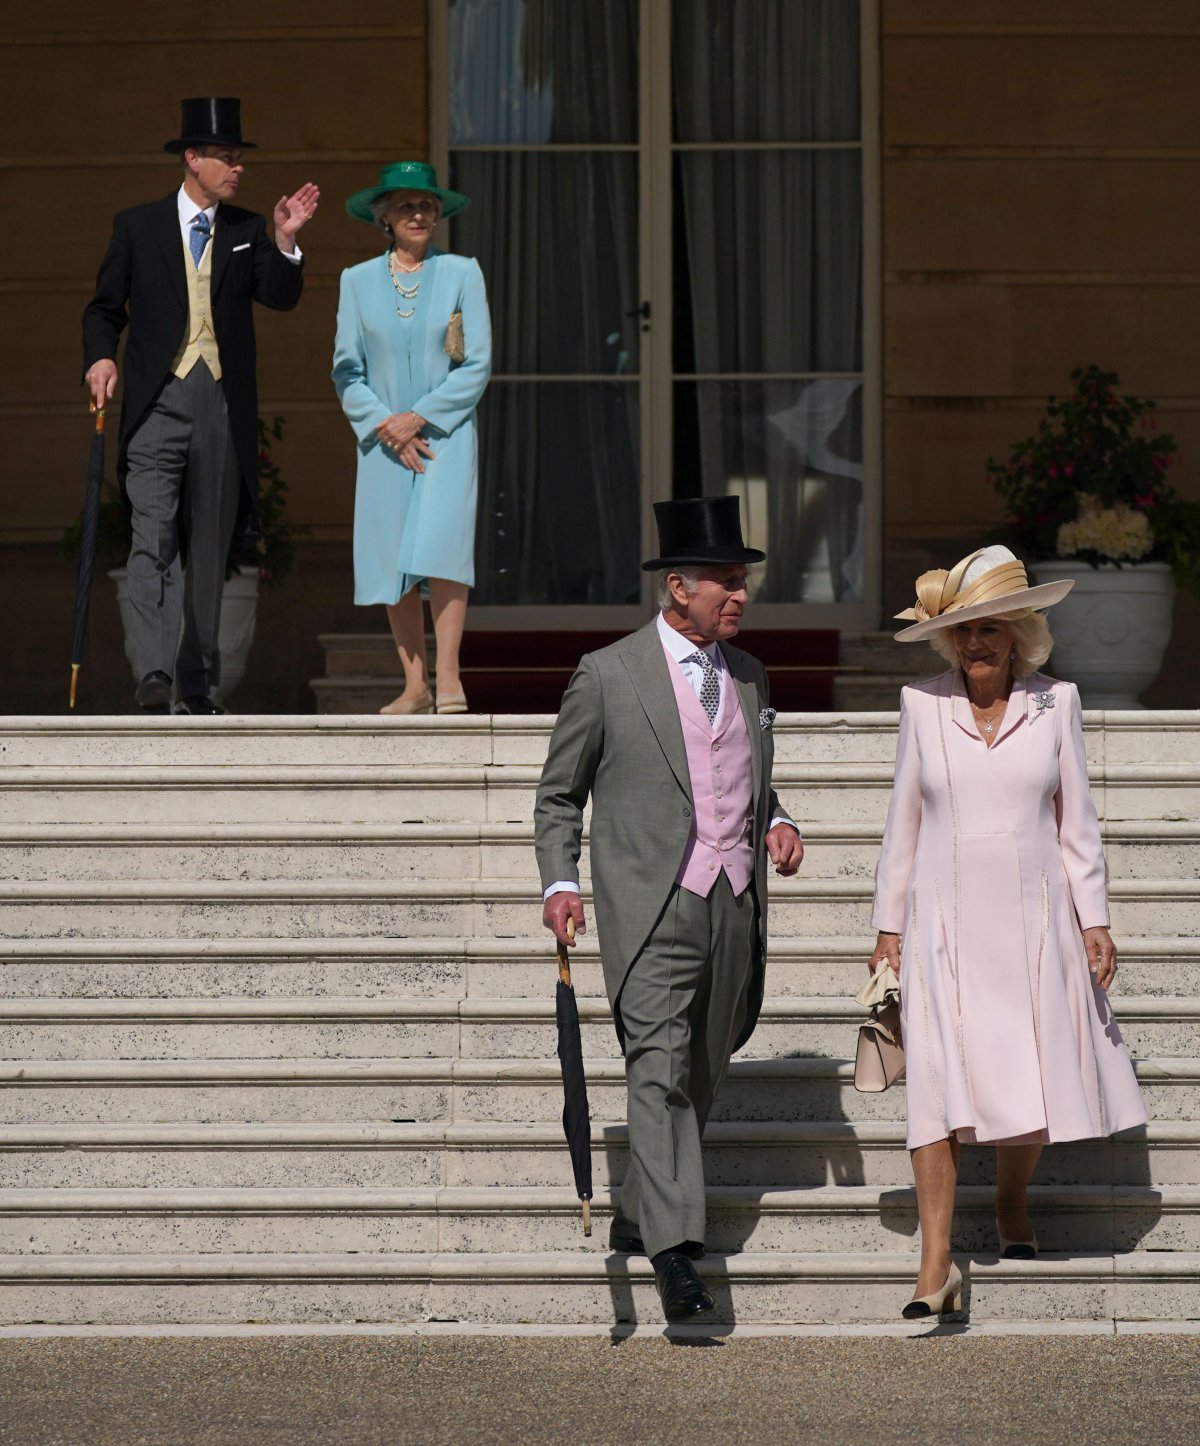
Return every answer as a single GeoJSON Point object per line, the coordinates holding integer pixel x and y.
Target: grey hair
{"type": "Point", "coordinates": [689, 576]}
{"type": "Point", "coordinates": [1032, 641]}
{"type": "Point", "coordinates": [380, 204]}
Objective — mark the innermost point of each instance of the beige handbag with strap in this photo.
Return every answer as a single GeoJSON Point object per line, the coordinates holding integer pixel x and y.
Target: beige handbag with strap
{"type": "Point", "coordinates": [879, 1060]}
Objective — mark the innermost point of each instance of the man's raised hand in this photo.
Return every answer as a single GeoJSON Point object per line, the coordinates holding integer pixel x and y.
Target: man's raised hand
{"type": "Point", "coordinates": [291, 212]}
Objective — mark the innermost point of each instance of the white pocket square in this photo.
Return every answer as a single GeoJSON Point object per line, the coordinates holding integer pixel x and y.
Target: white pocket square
{"type": "Point", "coordinates": [245, 246]}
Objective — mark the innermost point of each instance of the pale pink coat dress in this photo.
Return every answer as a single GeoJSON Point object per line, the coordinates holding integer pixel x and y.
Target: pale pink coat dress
{"type": "Point", "coordinates": [991, 867]}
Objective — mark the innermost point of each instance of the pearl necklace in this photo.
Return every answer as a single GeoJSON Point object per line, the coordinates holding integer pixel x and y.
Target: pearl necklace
{"type": "Point", "coordinates": [405, 293]}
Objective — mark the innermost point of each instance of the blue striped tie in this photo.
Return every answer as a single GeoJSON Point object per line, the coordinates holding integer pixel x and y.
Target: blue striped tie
{"type": "Point", "coordinates": [198, 240]}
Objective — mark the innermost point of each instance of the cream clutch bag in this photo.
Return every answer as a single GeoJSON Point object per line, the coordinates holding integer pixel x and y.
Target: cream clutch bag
{"type": "Point", "coordinates": [879, 1059]}
{"type": "Point", "coordinates": [454, 346]}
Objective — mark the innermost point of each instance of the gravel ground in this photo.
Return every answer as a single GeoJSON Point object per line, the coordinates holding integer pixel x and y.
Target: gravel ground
{"type": "Point", "coordinates": [359, 1391]}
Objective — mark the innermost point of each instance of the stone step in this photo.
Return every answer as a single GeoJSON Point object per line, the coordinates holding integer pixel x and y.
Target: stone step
{"type": "Point", "coordinates": [457, 967]}
{"type": "Point", "coordinates": [819, 792]}
{"type": "Point", "coordinates": [339, 1221]}
{"type": "Point", "coordinates": [428, 1155]}
{"type": "Point", "coordinates": [182, 908]}
{"type": "Point", "coordinates": [442, 1027]}
{"type": "Point", "coordinates": [369, 742]}
{"type": "Point", "coordinates": [373, 741]}
{"type": "Point", "coordinates": [574, 1288]}
{"type": "Point", "coordinates": [454, 1090]}
{"type": "Point", "coordinates": [314, 851]}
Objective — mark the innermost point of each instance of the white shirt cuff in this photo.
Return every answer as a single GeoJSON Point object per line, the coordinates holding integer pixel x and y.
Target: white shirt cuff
{"type": "Point", "coordinates": [563, 886]}
{"type": "Point", "coordinates": [295, 257]}
{"type": "Point", "coordinates": [788, 821]}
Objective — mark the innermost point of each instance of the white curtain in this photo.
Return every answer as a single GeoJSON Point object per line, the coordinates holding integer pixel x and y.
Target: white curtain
{"type": "Point", "coordinates": [768, 279]}
{"type": "Point", "coordinates": [556, 235]}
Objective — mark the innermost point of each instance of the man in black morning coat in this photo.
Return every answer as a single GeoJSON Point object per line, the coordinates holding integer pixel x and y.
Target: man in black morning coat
{"type": "Point", "coordinates": [183, 274]}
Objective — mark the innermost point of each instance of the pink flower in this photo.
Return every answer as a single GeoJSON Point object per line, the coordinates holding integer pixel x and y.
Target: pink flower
{"type": "Point", "coordinates": [1068, 470]}
{"type": "Point", "coordinates": [1159, 462]}
{"type": "Point", "coordinates": [1052, 472]}
{"type": "Point", "coordinates": [1144, 499]}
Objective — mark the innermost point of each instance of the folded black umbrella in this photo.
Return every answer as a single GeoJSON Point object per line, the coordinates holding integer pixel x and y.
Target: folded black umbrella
{"type": "Point", "coordinates": [87, 546]}
{"type": "Point", "coordinates": [577, 1125]}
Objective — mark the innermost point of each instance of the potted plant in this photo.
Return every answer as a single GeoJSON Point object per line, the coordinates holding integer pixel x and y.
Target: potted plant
{"type": "Point", "coordinates": [1088, 498]}
{"type": "Point", "coordinates": [268, 560]}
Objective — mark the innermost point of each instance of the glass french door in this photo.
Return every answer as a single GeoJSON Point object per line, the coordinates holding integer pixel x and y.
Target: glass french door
{"type": "Point", "coordinates": [674, 206]}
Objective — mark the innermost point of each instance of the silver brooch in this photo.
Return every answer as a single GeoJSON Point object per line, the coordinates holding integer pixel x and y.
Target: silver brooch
{"type": "Point", "coordinates": [1044, 700]}
{"type": "Point", "coordinates": [766, 717]}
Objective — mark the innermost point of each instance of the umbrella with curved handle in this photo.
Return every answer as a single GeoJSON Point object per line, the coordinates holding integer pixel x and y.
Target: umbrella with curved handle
{"type": "Point", "coordinates": [577, 1125]}
{"type": "Point", "coordinates": [87, 545]}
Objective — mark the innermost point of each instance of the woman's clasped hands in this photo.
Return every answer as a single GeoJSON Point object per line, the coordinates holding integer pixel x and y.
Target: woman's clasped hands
{"type": "Point", "coordinates": [400, 434]}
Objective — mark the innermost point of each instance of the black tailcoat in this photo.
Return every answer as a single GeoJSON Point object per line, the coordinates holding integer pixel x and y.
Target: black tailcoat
{"type": "Point", "coordinates": [142, 284]}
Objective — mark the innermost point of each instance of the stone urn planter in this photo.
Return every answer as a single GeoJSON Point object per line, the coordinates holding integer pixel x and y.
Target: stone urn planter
{"type": "Point", "coordinates": [1112, 628]}
{"type": "Point", "coordinates": [239, 610]}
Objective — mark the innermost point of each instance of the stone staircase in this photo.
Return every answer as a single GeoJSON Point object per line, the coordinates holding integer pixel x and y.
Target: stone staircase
{"type": "Point", "coordinates": [278, 1034]}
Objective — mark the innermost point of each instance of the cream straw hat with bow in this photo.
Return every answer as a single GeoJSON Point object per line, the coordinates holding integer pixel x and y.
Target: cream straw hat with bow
{"type": "Point", "coordinates": [985, 584]}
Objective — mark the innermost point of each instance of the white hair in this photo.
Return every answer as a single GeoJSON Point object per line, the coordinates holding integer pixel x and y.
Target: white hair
{"type": "Point", "coordinates": [1032, 641]}
{"type": "Point", "coordinates": [689, 576]}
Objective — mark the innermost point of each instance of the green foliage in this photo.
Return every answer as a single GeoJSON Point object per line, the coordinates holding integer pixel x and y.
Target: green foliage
{"type": "Point", "coordinates": [273, 553]}
{"type": "Point", "coordinates": [1100, 445]}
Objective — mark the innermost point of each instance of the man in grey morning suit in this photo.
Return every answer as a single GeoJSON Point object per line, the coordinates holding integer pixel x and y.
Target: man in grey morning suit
{"type": "Point", "coordinates": [669, 731]}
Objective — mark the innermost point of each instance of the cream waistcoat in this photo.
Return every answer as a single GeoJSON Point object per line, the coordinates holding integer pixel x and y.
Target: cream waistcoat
{"type": "Point", "coordinates": [201, 341]}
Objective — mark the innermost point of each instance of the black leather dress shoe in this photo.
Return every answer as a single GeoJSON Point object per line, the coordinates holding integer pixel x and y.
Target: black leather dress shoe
{"type": "Point", "coordinates": [633, 1245]}
{"type": "Point", "coordinates": [198, 704]}
{"type": "Point", "coordinates": [679, 1287]}
{"type": "Point", "coordinates": [153, 694]}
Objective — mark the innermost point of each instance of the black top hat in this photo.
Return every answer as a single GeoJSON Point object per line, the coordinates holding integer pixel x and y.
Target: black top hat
{"type": "Point", "coordinates": [700, 530]}
{"type": "Point", "coordinates": [210, 120]}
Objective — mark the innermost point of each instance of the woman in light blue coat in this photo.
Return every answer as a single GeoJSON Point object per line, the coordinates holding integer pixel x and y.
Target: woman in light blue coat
{"type": "Point", "coordinates": [409, 381]}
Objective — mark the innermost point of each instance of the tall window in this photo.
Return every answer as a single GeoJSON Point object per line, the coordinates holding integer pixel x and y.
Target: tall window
{"type": "Point", "coordinates": [668, 206]}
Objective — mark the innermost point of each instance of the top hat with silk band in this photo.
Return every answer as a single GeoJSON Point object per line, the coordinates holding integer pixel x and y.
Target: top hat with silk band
{"type": "Point", "coordinates": [699, 531]}
{"type": "Point", "coordinates": [210, 120]}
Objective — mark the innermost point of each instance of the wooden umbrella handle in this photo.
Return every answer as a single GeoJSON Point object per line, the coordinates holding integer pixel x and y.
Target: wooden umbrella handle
{"type": "Point", "coordinates": [564, 963]}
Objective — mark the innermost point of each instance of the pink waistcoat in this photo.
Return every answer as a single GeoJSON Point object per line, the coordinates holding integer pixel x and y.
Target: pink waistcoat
{"type": "Point", "coordinates": [722, 774]}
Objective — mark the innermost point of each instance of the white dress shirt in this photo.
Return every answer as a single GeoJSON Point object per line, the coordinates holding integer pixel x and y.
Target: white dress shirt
{"type": "Point", "coordinates": [681, 649]}
{"type": "Point", "coordinates": [188, 211]}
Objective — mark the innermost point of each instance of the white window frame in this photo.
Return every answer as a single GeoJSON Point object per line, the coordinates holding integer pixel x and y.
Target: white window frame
{"type": "Point", "coordinates": [656, 379]}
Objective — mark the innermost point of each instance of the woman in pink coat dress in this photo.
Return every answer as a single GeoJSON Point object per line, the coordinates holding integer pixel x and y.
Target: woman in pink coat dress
{"type": "Point", "coordinates": [991, 904]}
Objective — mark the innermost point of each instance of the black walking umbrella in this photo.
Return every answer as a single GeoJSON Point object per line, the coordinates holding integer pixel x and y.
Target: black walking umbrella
{"type": "Point", "coordinates": [577, 1126]}
{"type": "Point", "coordinates": [87, 545]}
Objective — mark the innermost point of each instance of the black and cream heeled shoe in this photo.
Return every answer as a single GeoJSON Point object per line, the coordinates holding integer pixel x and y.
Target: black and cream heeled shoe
{"type": "Point", "coordinates": [945, 1301]}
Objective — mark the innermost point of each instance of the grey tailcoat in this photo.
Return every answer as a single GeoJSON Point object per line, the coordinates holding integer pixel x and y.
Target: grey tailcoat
{"type": "Point", "coordinates": [619, 738]}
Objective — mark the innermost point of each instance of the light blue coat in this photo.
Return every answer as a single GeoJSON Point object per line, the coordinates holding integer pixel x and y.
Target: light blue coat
{"type": "Point", "coordinates": [410, 526]}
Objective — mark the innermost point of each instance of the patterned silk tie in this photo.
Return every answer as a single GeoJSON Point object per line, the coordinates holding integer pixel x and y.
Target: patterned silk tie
{"type": "Point", "coordinates": [198, 240]}
{"type": "Point", "coordinates": [710, 688]}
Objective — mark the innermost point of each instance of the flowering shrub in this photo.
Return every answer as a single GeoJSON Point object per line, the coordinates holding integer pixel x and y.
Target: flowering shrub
{"type": "Point", "coordinates": [1092, 484]}
{"type": "Point", "coordinates": [272, 550]}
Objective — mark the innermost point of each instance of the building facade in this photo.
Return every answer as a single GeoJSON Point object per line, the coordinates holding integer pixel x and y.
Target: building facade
{"type": "Point", "coordinates": [827, 254]}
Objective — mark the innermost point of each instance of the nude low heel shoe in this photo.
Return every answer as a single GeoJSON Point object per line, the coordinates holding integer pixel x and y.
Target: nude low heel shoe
{"type": "Point", "coordinates": [941, 1302]}
{"type": "Point", "coordinates": [405, 706]}
{"type": "Point", "coordinates": [452, 703]}
{"type": "Point", "coordinates": [1016, 1249]}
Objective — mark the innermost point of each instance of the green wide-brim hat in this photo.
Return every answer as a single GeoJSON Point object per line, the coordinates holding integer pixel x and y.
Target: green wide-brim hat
{"type": "Point", "coordinates": [406, 176]}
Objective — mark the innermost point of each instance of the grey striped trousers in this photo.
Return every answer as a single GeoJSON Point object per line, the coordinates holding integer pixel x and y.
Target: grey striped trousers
{"type": "Point", "coordinates": [183, 483]}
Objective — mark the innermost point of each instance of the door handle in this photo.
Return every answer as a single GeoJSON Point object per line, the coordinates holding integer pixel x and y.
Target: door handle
{"type": "Point", "coordinates": [644, 312]}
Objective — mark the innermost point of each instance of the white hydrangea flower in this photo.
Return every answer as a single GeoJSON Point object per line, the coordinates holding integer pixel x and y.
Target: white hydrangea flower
{"type": "Point", "coordinates": [1119, 533]}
